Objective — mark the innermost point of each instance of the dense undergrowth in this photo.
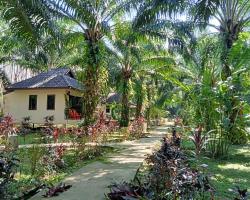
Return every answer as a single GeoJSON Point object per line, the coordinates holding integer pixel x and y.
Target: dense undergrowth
{"type": "Point", "coordinates": [36, 168]}
{"type": "Point", "coordinates": [45, 161]}
{"type": "Point", "coordinates": [176, 172]}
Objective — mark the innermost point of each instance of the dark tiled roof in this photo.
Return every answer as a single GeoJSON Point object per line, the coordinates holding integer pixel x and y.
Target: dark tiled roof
{"type": "Point", "coordinates": [114, 98]}
{"type": "Point", "coordinates": [56, 78]}
{"type": "Point", "coordinates": [117, 98]}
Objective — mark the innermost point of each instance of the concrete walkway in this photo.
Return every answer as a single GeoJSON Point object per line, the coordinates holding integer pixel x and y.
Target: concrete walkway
{"type": "Point", "coordinates": [91, 181]}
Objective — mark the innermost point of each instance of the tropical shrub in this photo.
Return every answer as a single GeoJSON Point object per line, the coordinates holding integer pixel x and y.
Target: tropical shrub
{"type": "Point", "coordinates": [35, 154]}
{"type": "Point", "coordinates": [56, 190]}
{"type": "Point", "coordinates": [124, 190]}
{"type": "Point", "coordinates": [136, 127]}
{"type": "Point", "coordinates": [241, 194]}
{"type": "Point", "coordinates": [168, 177]}
{"type": "Point", "coordinates": [25, 123]}
{"type": "Point", "coordinates": [8, 167]}
{"type": "Point", "coordinates": [49, 121]}
{"type": "Point", "coordinates": [7, 126]}
{"type": "Point", "coordinates": [198, 139]}
{"type": "Point", "coordinates": [52, 160]}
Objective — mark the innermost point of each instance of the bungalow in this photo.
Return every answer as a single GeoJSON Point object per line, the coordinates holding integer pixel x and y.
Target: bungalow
{"type": "Point", "coordinates": [56, 92]}
{"type": "Point", "coordinates": [112, 106]}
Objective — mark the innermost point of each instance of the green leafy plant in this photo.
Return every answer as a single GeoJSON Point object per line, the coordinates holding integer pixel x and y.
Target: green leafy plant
{"type": "Point", "coordinates": [35, 154]}
{"type": "Point", "coordinates": [198, 139]}
{"type": "Point", "coordinates": [8, 168]}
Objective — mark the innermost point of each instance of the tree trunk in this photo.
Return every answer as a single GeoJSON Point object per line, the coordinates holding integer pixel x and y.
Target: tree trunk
{"type": "Point", "coordinates": [140, 95]}
{"type": "Point", "coordinates": [139, 107]}
{"type": "Point", "coordinates": [232, 108]}
{"type": "Point", "coordinates": [148, 110]}
{"type": "Point", "coordinates": [91, 77]}
{"type": "Point", "coordinates": [226, 71]}
{"type": "Point", "coordinates": [90, 96]}
{"type": "Point", "coordinates": [126, 75]}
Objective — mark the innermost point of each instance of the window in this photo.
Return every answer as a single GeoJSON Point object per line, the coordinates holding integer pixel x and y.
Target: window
{"type": "Point", "coordinates": [51, 102]}
{"type": "Point", "coordinates": [32, 102]}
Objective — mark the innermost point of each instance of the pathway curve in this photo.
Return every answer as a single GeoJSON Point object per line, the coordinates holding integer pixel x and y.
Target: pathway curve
{"type": "Point", "coordinates": [91, 181]}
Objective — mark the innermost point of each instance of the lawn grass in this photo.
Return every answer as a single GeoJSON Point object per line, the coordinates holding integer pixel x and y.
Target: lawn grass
{"type": "Point", "coordinates": [227, 173]}
{"type": "Point", "coordinates": [37, 138]}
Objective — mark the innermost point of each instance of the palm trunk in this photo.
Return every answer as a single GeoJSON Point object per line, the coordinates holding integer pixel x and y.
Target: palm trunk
{"type": "Point", "coordinates": [232, 108]}
{"type": "Point", "coordinates": [139, 107]}
{"type": "Point", "coordinates": [148, 110]}
{"type": "Point", "coordinates": [91, 77]}
{"type": "Point", "coordinates": [139, 100]}
{"type": "Point", "coordinates": [226, 71]}
{"type": "Point", "coordinates": [126, 75]}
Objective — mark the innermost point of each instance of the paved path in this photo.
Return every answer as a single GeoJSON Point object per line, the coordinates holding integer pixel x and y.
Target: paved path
{"type": "Point", "coordinates": [91, 181]}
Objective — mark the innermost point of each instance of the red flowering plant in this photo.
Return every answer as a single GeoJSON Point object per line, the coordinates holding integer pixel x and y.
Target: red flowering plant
{"type": "Point", "coordinates": [59, 151]}
{"type": "Point", "coordinates": [112, 125]}
{"type": "Point", "coordinates": [56, 134]}
{"type": "Point", "coordinates": [199, 139]}
{"type": "Point", "coordinates": [7, 126]}
{"type": "Point", "coordinates": [136, 127]}
{"type": "Point", "coordinates": [97, 129]}
{"type": "Point", "coordinates": [53, 158]}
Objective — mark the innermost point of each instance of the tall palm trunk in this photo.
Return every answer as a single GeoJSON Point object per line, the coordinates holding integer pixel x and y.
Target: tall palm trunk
{"type": "Point", "coordinates": [126, 75]}
{"type": "Point", "coordinates": [228, 43]}
{"type": "Point", "coordinates": [230, 37]}
{"type": "Point", "coordinates": [139, 98]}
{"type": "Point", "coordinates": [149, 97]}
{"type": "Point", "coordinates": [91, 76]}
{"type": "Point", "coordinates": [139, 102]}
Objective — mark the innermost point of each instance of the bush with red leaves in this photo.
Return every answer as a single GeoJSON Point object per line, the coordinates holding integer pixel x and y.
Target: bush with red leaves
{"type": "Point", "coordinates": [136, 127]}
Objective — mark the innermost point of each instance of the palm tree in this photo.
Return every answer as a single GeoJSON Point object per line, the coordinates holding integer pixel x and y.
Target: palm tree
{"type": "Point", "coordinates": [43, 56]}
{"type": "Point", "coordinates": [140, 94]}
{"type": "Point", "coordinates": [233, 17]}
{"type": "Point", "coordinates": [125, 52]}
{"type": "Point", "coordinates": [92, 19]}
{"type": "Point", "coordinates": [136, 58]}
{"type": "Point", "coordinates": [28, 19]}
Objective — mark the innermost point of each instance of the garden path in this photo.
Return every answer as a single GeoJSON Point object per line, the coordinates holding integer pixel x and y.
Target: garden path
{"type": "Point", "coordinates": [91, 182]}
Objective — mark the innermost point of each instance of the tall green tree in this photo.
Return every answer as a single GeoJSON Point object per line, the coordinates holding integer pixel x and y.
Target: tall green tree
{"type": "Point", "coordinates": [136, 58]}
{"type": "Point", "coordinates": [92, 18]}
{"type": "Point", "coordinates": [233, 17]}
{"type": "Point", "coordinates": [126, 51]}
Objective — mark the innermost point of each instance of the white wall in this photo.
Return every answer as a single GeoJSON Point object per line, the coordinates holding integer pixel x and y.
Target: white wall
{"type": "Point", "coordinates": [16, 104]}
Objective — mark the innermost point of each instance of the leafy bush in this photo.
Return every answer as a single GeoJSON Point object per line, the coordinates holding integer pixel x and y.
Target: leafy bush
{"type": "Point", "coordinates": [136, 127]}
{"type": "Point", "coordinates": [56, 190]}
{"type": "Point", "coordinates": [168, 177]}
{"type": "Point", "coordinates": [8, 166]}
{"type": "Point", "coordinates": [49, 121]}
{"type": "Point", "coordinates": [7, 126]}
{"type": "Point", "coordinates": [218, 143]}
{"type": "Point", "coordinates": [25, 123]}
{"type": "Point", "coordinates": [122, 191]}
{"type": "Point", "coordinates": [198, 139]}
{"type": "Point", "coordinates": [35, 153]}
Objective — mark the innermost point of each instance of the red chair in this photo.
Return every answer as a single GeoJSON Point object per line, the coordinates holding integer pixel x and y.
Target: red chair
{"type": "Point", "coordinates": [73, 114]}
{"type": "Point", "coordinates": [77, 115]}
